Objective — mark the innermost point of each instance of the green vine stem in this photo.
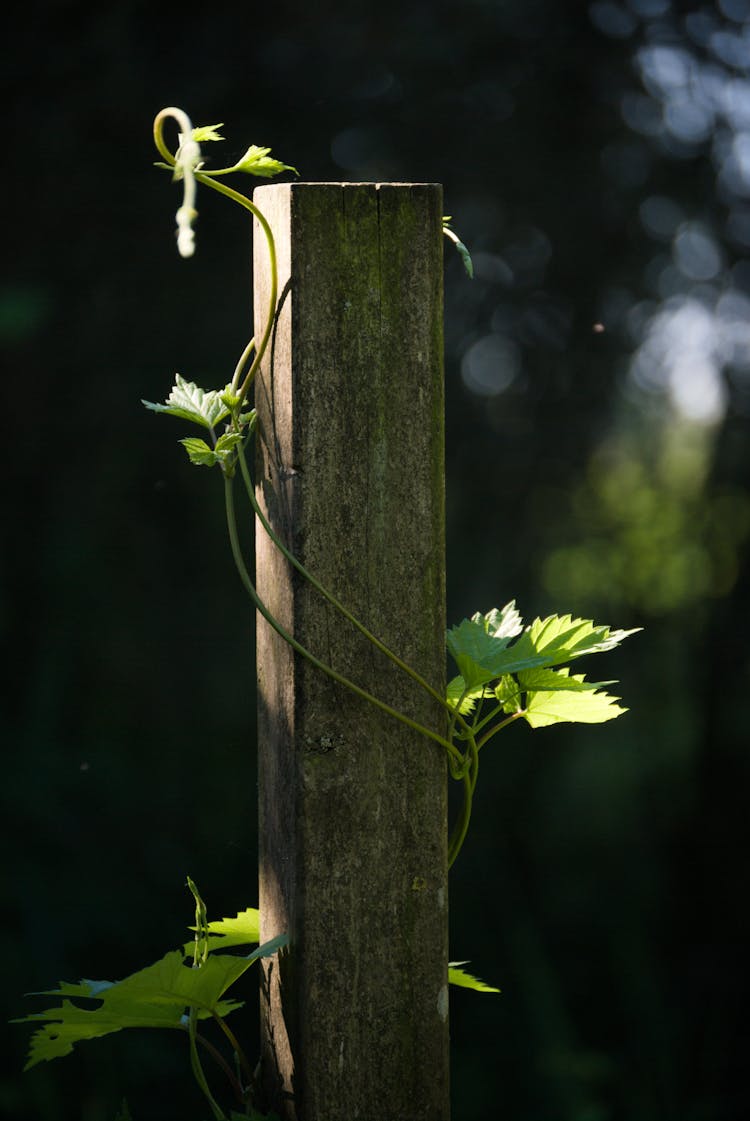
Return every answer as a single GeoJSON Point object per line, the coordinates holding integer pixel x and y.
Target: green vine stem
{"type": "Point", "coordinates": [221, 1062]}
{"type": "Point", "coordinates": [459, 763]}
{"type": "Point", "coordinates": [244, 201]}
{"type": "Point", "coordinates": [461, 828]}
{"type": "Point", "coordinates": [498, 728]}
{"type": "Point", "coordinates": [302, 650]}
{"type": "Point", "coordinates": [335, 602]}
{"type": "Point", "coordinates": [237, 1050]}
{"type": "Point", "coordinates": [241, 363]}
{"type": "Point", "coordinates": [197, 1069]}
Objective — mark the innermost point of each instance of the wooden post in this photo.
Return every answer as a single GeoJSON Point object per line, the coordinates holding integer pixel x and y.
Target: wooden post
{"type": "Point", "coordinates": [350, 472]}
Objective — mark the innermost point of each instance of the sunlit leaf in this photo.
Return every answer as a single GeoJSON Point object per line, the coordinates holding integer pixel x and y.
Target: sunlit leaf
{"type": "Point", "coordinates": [256, 161]}
{"type": "Point", "coordinates": [508, 693]}
{"type": "Point", "coordinates": [458, 976]}
{"type": "Point", "coordinates": [189, 402]}
{"type": "Point", "coordinates": [571, 699]}
{"type": "Point", "coordinates": [481, 657]}
{"type": "Point", "coordinates": [477, 644]}
{"type": "Point", "coordinates": [199, 452]}
{"type": "Point", "coordinates": [502, 624]}
{"type": "Point", "coordinates": [155, 997]}
{"type": "Point", "coordinates": [532, 680]}
{"type": "Point", "coordinates": [207, 132]}
{"type": "Point", "coordinates": [456, 692]}
{"type": "Point", "coordinates": [560, 638]}
{"type": "Point", "coordinates": [242, 930]}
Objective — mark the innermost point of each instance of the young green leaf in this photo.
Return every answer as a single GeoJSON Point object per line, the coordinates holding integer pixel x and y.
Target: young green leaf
{"type": "Point", "coordinates": [553, 680]}
{"type": "Point", "coordinates": [189, 402]}
{"type": "Point", "coordinates": [199, 452]}
{"type": "Point", "coordinates": [458, 976]}
{"type": "Point", "coordinates": [242, 930]}
{"type": "Point", "coordinates": [207, 132]}
{"type": "Point", "coordinates": [501, 624]}
{"type": "Point", "coordinates": [461, 698]}
{"type": "Point", "coordinates": [546, 642]}
{"type": "Point", "coordinates": [478, 644]}
{"type": "Point", "coordinates": [154, 997]}
{"type": "Point", "coordinates": [565, 698]}
{"type": "Point", "coordinates": [222, 452]}
{"type": "Point", "coordinates": [256, 161]}
{"type": "Point", "coordinates": [508, 693]}
{"type": "Point", "coordinates": [560, 638]}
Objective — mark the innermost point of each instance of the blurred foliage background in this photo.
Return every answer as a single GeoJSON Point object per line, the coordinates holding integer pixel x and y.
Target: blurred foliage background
{"type": "Point", "coordinates": [596, 159]}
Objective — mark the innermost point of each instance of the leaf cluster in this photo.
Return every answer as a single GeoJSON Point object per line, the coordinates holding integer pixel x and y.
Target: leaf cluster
{"type": "Point", "coordinates": [518, 676]}
{"type": "Point", "coordinates": [159, 996]}
{"type": "Point", "coordinates": [208, 408]}
{"type": "Point", "coordinates": [256, 160]}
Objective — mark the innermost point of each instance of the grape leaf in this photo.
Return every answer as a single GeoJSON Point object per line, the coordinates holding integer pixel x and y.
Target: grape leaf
{"type": "Point", "coordinates": [502, 624]}
{"type": "Point", "coordinates": [256, 161]}
{"type": "Point", "coordinates": [204, 456]}
{"type": "Point", "coordinates": [189, 402]}
{"type": "Point", "coordinates": [560, 638]}
{"type": "Point", "coordinates": [508, 693]}
{"type": "Point", "coordinates": [243, 929]}
{"type": "Point", "coordinates": [563, 698]}
{"type": "Point", "coordinates": [156, 996]}
{"type": "Point", "coordinates": [478, 643]}
{"type": "Point", "coordinates": [534, 680]}
{"type": "Point", "coordinates": [199, 452]}
{"type": "Point", "coordinates": [207, 132]}
{"type": "Point", "coordinates": [458, 976]}
{"type": "Point", "coordinates": [456, 692]}
{"type": "Point", "coordinates": [481, 657]}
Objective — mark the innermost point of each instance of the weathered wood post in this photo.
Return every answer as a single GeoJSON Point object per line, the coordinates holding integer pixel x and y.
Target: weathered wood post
{"type": "Point", "coordinates": [352, 804]}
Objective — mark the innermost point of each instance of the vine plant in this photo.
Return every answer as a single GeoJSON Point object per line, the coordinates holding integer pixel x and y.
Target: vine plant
{"type": "Point", "coordinates": [506, 672]}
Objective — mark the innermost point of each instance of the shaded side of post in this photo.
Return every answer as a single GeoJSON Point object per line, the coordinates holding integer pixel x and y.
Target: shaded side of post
{"type": "Point", "coordinates": [350, 471]}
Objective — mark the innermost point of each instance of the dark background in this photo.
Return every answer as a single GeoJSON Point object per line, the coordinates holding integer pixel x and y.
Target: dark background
{"type": "Point", "coordinates": [596, 159]}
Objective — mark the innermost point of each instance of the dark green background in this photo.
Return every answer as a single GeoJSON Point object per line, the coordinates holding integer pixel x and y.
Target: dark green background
{"type": "Point", "coordinates": [604, 882]}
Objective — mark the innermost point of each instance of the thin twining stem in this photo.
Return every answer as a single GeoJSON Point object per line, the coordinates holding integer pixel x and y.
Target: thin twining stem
{"type": "Point", "coordinates": [197, 1069]}
{"type": "Point", "coordinates": [499, 727]}
{"type": "Point", "coordinates": [241, 363]}
{"type": "Point", "coordinates": [461, 828]}
{"type": "Point", "coordinates": [247, 1070]}
{"type": "Point", "coordinates": [244, 201]}
{"type": "Point", "coordinates": [462, 767]}
{"type": "Point", "coordinates": [221, 1062]}
{"type": "Point", "coordinates": [302, 650]}
{"type": "Point", "coordinates": [296, 563]}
